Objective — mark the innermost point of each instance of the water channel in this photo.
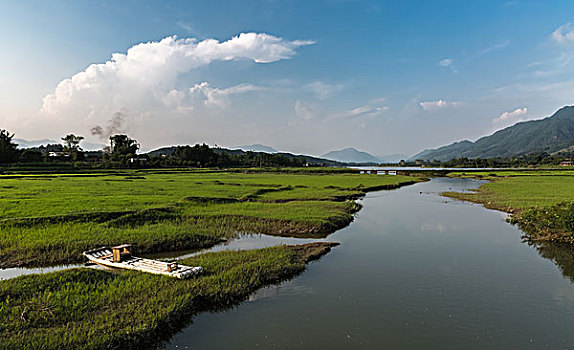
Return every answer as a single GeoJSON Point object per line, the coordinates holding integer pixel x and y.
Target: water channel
{"type": "Point", "coordinates": [415, 270]}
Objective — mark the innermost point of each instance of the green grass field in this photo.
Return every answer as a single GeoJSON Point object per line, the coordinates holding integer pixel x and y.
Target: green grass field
{"type": "Point", "coordinates": [96, 309]}
{"type": "Point", "coordinates": [509, 191]}
{"type": "Point", "coordinates": [542, 202]}
{"type": "Point", "coordinates": [49, 219]}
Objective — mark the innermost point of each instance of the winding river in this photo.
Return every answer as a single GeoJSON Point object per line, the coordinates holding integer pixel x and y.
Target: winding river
{"type": "Point", "coordinates": [415, 270]}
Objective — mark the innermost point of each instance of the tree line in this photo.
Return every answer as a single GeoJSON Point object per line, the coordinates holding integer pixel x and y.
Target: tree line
{"type": "Point", "coordinates": [121, 148]}
{"type": "Point", "coordinates": [532, 159]}
{"type": "Point", "coordinates": [122, 152]}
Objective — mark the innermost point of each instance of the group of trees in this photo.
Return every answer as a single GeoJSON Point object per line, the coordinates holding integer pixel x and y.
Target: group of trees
{"type": "Point", "coordinates": [203, 156]}
{"type": "Point", "coordinates": [123, 150]}
{"type": "Point", "coordinates": [120, 150]}
{"type": "Point", "coordinates": [532, 159]}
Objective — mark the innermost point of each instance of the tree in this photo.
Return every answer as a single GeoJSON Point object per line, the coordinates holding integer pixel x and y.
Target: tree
{"type": "Point", "coordinates": [122, 145]}
{"type": "Point", "coordinates": [31, 155]}
{"type": "Point", "coordinates": [198, 155]}
{"type": "Point", "coordinates": [72, 145]}
{"type": "Point", "coordinates": [8, 152]}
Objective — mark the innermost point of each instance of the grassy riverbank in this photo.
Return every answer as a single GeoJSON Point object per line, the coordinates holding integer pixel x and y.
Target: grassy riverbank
{"type": "Point", "coordinates": [97, 309]}
{"type": "Point", "coordinates": [52, 218]}
{"type": "Point", "coordinates": [541, 202]}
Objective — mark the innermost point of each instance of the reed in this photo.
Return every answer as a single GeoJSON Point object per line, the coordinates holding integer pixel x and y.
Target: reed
{"type": "Point", "coordinates": [97, 309]}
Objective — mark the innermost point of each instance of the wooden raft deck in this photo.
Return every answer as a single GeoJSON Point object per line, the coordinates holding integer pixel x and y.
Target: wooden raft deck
{"type": "Point", "coordinates": [120, 257]}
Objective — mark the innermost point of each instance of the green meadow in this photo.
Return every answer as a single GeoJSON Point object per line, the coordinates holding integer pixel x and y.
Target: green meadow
{"type": "Point", "coordinates": [542, 202]}
{"type": "Point", "coordinates": [97, 309]}
{"type": "Point", "coordinates": [52, 218]}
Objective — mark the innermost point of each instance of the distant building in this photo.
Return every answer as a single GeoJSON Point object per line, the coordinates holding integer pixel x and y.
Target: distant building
{"type": "Point", "coordinates": [140, 159]}
{"type": "Point", "coordinates": [93, 156]}
{"type": "Point", "coordinates": [58, 154]}
{"type": "Point", "coordinates": [567, 163]}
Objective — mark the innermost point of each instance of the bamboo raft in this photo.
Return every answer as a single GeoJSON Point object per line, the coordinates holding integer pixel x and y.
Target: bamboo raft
{"type": "Point", "coordinates": [121, 257]}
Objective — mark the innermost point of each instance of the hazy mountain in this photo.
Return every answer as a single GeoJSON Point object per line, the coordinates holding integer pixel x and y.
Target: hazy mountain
{"type": "Point", "coordinates": [351, 155]}
{"type": "Point", "coordinates": [257, 148]}
{"type": "Point", "coordinates": [453, 150]}
{"type": "Point", "coordinates": [36, 143]}
{"type": "Point", "coordinates": [392, 158]}
{"type": "Point", "coordinates": [549, 135]}
{"type": "Point", "coordinates": [86, 146]}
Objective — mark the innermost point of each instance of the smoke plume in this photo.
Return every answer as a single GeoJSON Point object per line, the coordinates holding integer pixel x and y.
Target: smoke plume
{"type": "Point", "coordinates": [113, 127]}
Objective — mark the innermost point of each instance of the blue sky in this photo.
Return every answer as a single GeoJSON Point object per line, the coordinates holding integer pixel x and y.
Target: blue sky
{"type": "Point", "coordinates": [382, 76]}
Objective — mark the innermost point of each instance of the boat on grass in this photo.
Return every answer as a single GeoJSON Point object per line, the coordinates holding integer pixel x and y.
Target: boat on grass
{"type": "Point", "coordinates": [121, 257]}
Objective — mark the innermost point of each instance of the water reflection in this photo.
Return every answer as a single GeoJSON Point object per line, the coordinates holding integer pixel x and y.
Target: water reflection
{"type": "Point", "coordinates": [412, 272]}
{"type": "Point", "coordinates": [560, 254]}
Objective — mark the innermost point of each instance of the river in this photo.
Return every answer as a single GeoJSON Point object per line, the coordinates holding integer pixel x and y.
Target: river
{"type": "Point", "coordinates": [414, 270]}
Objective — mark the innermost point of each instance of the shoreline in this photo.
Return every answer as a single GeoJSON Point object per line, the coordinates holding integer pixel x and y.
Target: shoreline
{"type": "Point", "coordinates": [548, 223]}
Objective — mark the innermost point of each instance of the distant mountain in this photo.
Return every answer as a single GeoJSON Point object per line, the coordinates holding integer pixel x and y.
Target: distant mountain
{"type": "Point", "coordinates": [392, 158]}
{"type": "Point", "coordinates": [548, 135]}
{"type": "Point", "coordinates": [89, 146]}
{"type": "Point", "coordinates": [351, 155]}
{"type": "Point", "coordinates": [453, 150]}
{"type": "Point", "coordinates": [257, 148]}
{"type": "Point", "coordinates": [86, 146]}
{"type": "Point", "coordinates": [36, 143]}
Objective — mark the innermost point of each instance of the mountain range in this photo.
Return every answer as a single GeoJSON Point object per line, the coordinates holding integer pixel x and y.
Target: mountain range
{"type": "Point", "coordinates": [352, 155]}
{"type": "Point", "coordinates": [257, 148]}
{"type": "Point", "coordinates": [552, 134]}
{"type": "Point", "coordinates": [86, 146]}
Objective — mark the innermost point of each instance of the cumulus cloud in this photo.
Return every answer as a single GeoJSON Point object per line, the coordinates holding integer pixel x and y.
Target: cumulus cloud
{"type": "Point", "coordinates": [144, 79]}
{"type": "Point", "coordinates": [440, 104]}
{"type": "Point", "coordinates": [218, 97]}
{"type": "Point", "coordinates": [511, 117]}
{"type": "Point", "coordinates": [563, 34]}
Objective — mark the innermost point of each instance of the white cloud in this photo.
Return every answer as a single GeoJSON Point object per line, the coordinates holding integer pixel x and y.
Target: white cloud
{"type": "Point", "coordinates": [447, 62]}
{"type": "Point", "coordinates": [510, 117]}
{"type": "Point", "coordinates": [372, 109]}
{"type": "Point", "coordinates": [144, 79]}
{"type": "Point", "coordinates": [367, 110]}
{"type": "Point", "coordinates": [218, 97]}
{"type": "Point", "coordinates": [500, 45]}
{"type": "Point", "coordinates": [563, 34]}
{"type": "Point", "coordinates": [440, 104]}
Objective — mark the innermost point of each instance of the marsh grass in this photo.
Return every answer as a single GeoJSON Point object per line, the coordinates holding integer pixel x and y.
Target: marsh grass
{"type": "Point", "coordinates": [541, 202]}
{"type": "Point", "coordinates": [96, 309]}
{"type": "Point", "coordinates": [51, 219]}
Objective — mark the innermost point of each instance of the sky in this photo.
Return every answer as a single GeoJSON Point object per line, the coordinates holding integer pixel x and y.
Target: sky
{"type": "Point", "coordinates": [305, 77]}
